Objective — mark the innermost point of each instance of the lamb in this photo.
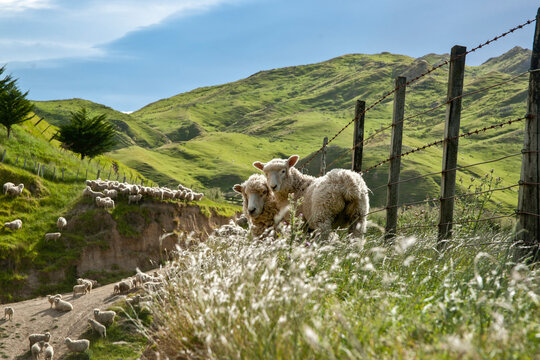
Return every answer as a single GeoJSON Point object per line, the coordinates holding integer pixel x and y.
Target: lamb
{"type": "Point", "coordinates": [80, 289]}
{"type": "Point", "coordinates": [62, 305]}
{"type": "Point", "coordinates": [338, 198]}
{"type": "Point", "coordinates": [89, 282]}
{"type": "Point", "coordinates": [134, 198]}
{"type": "Point", "coordinates": [7, 186]}
{"type": "Point", "coordinates": [15, 190]}
{"type": "Point", "coordinates": [14, 225]}
{"type": "Point", "coordinates": [36, 349]}
{"type": "Point", "coordinates": [97, 327]}
{"type": "Point", "coordinates": [48, 351]}
{"type": "Point", "coordinates": [34, 338]}
{"type": "Point", "coordinates": [8, 313]}
{"type": "Point", "coordinates": [284, 179]}
{"type": "Point", "coordinates": [52, 236]}
{"type": "Point", "coordinates": [260, 204]}
{"type": "Point", "coordinates": [104, 317]}
{"type": "Point", "coordinates": [61, 223]}
{"type": "Point", "coordinates": [105, 202]}
{"type": "Point", "coordinates": [77, 345]}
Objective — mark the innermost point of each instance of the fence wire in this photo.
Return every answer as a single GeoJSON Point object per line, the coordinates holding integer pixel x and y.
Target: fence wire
{"type": "Point", "coordinates": [446, 62]}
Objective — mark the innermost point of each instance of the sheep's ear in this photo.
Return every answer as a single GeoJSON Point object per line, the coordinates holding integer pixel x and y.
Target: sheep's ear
{"type": "Point", "coordinates": [293, 160]}
{"type": "Point", "coordinates": [237, 188]}
{"type": "Point", "coordinates": [259, 165]}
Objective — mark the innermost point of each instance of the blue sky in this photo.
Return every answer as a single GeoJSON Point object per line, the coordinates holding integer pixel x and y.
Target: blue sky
{"type": "Point", "coordinates": [128, 53]}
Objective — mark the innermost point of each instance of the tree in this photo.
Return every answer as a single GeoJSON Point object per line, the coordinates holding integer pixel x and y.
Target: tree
{"type": "Point", "coordinates": [85, 135]}
{"type": "Point", "coordinates": [14, 107]}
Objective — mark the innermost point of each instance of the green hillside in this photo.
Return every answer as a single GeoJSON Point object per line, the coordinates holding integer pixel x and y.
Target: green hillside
{"type": "Point", "coordinates": [211, 135]}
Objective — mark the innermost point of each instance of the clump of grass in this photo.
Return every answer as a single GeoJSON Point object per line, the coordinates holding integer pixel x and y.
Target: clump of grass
{"type": "Point", "coordinates": [347, 298]}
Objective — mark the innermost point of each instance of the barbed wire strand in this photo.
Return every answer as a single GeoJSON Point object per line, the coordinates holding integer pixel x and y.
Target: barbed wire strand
{"type": "Point", "coordinates": [438, 142]}
{"type": "Point", "coordinates": [440, 172]}
{"type": "Point", "coordinates": [446, 62]}
{"type": "Point", "coordinates": [458, 222]}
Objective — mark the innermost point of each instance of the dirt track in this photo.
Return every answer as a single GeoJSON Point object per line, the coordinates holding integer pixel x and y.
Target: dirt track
{"type": "Point", "coordinates": [36, 316]}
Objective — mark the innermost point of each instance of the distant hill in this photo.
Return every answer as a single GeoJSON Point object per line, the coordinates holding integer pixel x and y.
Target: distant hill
{"type": "Point", "coordinates": [210, 136]}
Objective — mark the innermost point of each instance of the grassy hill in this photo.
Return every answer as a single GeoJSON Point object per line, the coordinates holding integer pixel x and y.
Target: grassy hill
{"type": "Point", "coordinates": [210, 136]}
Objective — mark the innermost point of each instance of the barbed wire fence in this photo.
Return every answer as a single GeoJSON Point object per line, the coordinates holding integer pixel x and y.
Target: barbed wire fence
{"type": "Point", "coordinates": [528, 229]}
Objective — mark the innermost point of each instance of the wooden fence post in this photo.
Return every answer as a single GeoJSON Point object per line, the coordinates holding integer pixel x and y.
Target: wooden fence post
{"type": "Point", "coordinates": [63, 169]}
{"type": "Point", "coordinates": [450, 147]}
{"type": "Point", "coordinates": [98, 172]}
{"type": "Point", "coordinates": [16, 160]}
{"type": "Point", "coordinates": [392, 194]}
{"type": "Point", "coordinates": [42, 171]}
{"type": "Point", "coordinates": [528, 226]}
{"type": "Point", "coordinates": [45, 129]}
{"type": "Point", "coordinates": [77, 176]}
{"type": "Point", "coordinates": [109, 176]}
{"type": "Point", "coordinates": [86, 175]}
{"type": "Point", "coordinates": [323, 156]}
{"type": "Point", "coordinates": [358, 137]}
{"type": "Point", "coordinates": [124, 177]}
{"type": "Point", "coordinates": [4, 155]}
{"type": "Point", "coordinates": [24, 165]}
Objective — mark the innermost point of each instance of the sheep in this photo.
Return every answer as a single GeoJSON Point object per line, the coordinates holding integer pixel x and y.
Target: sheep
{"type": "Point", "coordinates": [89, 282]}
{"type": "Point", "coordinates": [116, 289]}
{"type": "Point", "coordinates": [8, 313]}
{"type": "Point", "coordinates": [134, 198]}
{"type": "Point", "coordinates": [341, 196]}
{"type": "Point", "coordinates": [61, 223]}
{"type": "Point", "coordinates": [104, 317]}
{"type": "Point", "coordinates": [124, 286]}
{"type": "Point", "coordinates": [15, 190]}
{"type": "Point", "coordinates": [105, 202]}
{"type": "Point", "coordinates": [34, 338]}
{"type": "Point", "coordinates": [80, 289]}
{"type": "Point", "coordinates": [52, 236]}
{"type": "Point", "coordinates": [48, 351]}
{"type": "Point", "coordinates": [7, 186]}
{"type": "Point", "coordinates": [260, 204]}
{"type": "Point", "coordinates": [36, 349]}
{"type": "Point", "coordinates": [62, 305]}
{"type": "Point", "coordinates": [51, 298]}
{"type": "Point", "coordinates": [134, 300]}
{"type": "Point", "coordinates": [88, 192]}
{"type": "Point", "coordinates": [14, 225]}
{"type": "Point", "coordinates": [284, 179]}
{"type": "Point", "coordinates": [98, 327]}
{"type": "Point", "coordinates": [110, 193]}
{"type": "Point", "coordinates": [141, 277]}
{"type": "Point", "coordinates": [77, 345]}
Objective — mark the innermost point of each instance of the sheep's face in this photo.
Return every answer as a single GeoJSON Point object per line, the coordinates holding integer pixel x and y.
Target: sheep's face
{"type": "Point", "coordinates": [277, 171]}
{"type": "Point", "coordinates": [254, 192]}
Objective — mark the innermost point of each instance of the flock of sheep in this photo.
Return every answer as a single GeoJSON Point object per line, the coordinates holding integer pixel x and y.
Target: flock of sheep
{"type": "Point", "coordinates": [104, 192]}
{"type": "Point", "coordinates": [337, 199]}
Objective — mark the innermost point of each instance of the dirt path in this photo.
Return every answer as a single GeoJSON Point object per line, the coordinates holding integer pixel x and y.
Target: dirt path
{"type": "Point", "coordinates": [36, 316]}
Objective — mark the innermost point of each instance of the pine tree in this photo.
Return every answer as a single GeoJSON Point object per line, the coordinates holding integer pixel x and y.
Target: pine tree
{"type": "Point", "coordinates": [14, 107]}
{"type": "Point", "coordinates": [85, 135]}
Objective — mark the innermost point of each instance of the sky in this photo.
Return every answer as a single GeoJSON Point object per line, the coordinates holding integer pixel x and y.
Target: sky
{"type": "Point", "coordinates": [128, 53]}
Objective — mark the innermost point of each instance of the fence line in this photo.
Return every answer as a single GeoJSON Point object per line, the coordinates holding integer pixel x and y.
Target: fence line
{"type": "Point", "coordinates": [446, 62]}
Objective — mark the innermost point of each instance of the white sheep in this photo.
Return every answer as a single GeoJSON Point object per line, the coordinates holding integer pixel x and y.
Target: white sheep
{"type": "Point", "coordinates": [105, 202]}
{"type": "Point", "coordinates": [36, 349]}
{"type": "Point", "coordinates": [77, 345]}
{"type": "Point", "coordinates": [141, 277]}
{"type": "Point", "coordinates": [88, 192]}
{"type": "Point", "coordinates": [52, 236]}
{"type": "Point", "coordinates": [123, 286]}
{"type": "Point", "coordinates": [104, 317]}
{"type": "Point", "coordinates": [48, 351]}
{"type": "Point", "coordinates": [80, 289]}
{"type": "Point", "coordinates": [338, 198]}
{"type": "Point", "coordinates": [98, 327]}
{"type": "Point", "coordinates": [284, 179]}
{"type": "Point", "coordinates": [15, 190]}
{"type": "Point", "coordinates": [51, 298]}
{"type": "Point", "coordinates": [61, 223]}
{"type": "Point", "coordinates": [88, 282]}
{"type": "Point", "coordinates": [110, 193]}
{"type": "Point", "coordinates": [134, 198]}
{"type": "Point", "coordinates": [62, 305]}
{"type": "Point", "coordinates": [7, 186]}
{"type": "Point", "coordinates": [34, 338]}
{"type": "Point", "coordinates": [259, 203]}
{"type": "Point", "coordinates": [8, 313]}
{"type": "Point", "coordinates": [14, 225]}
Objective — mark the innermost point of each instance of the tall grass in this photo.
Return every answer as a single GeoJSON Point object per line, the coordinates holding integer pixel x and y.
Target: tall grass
{"type": "Point", "coordinates": [349, 298]}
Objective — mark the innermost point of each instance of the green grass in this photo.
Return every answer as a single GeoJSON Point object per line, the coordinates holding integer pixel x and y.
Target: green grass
{"type": "Point", "coordinates": [297, 297]}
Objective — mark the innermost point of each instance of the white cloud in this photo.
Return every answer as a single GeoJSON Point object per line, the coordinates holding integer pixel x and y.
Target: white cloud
{"type": "Point", "coordinates": [33, 30]}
